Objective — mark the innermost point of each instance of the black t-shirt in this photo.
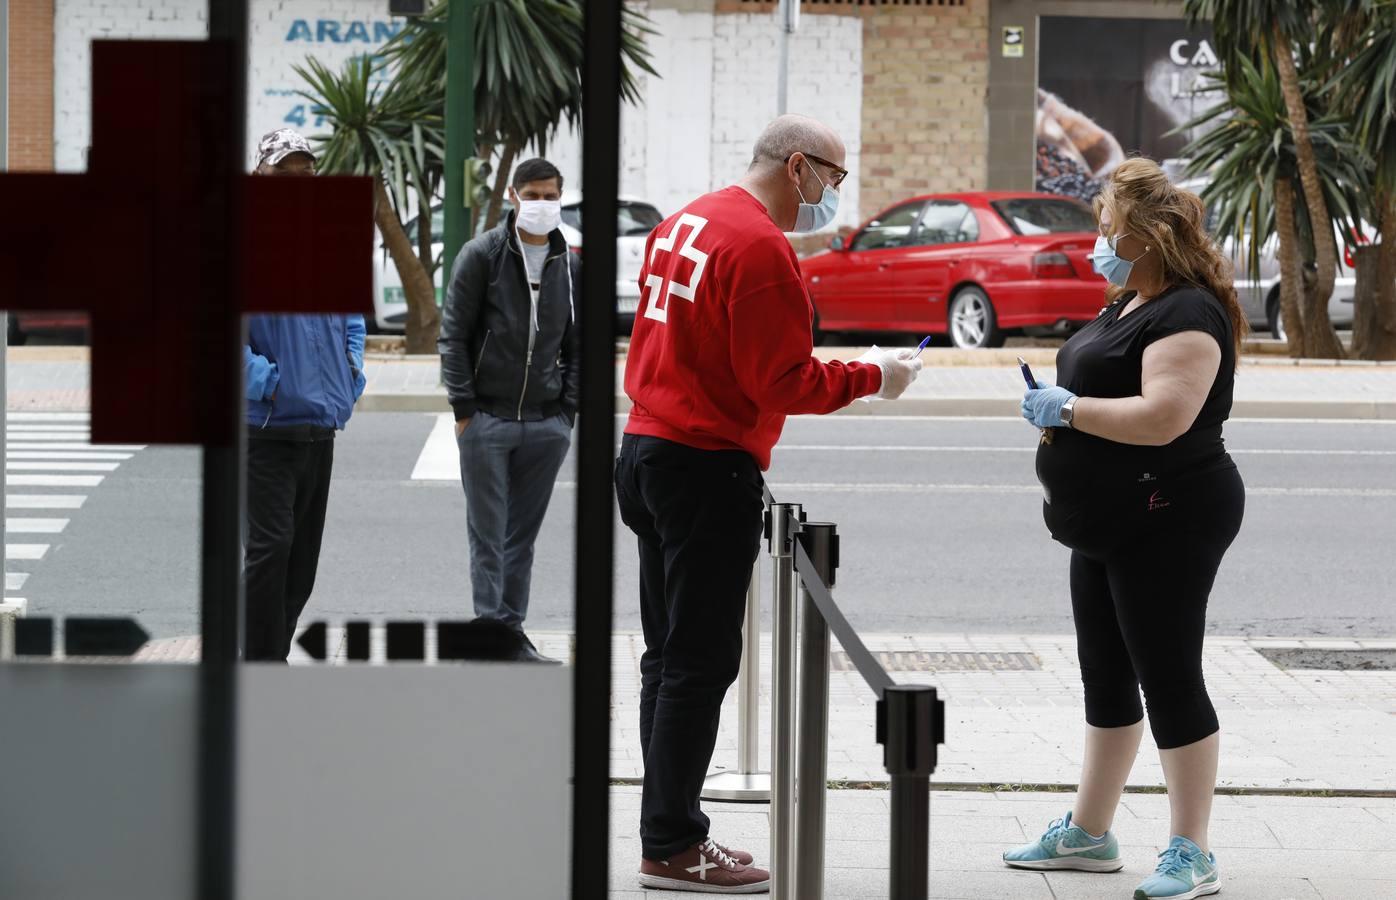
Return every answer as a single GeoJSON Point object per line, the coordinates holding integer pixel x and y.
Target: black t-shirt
{"type": "Point", "coordinates": [1105, 359]}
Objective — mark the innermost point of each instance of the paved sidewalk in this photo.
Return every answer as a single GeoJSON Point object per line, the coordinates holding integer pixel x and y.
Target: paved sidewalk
{"type": "Point", "coordinates": [954, 383]}
{"type": "Point", "coordinates": [1268, 848]}
{"type": "Point", "coordinates": [1298, 729]}
{"type": "Point", "coordinates": [1018, 719]}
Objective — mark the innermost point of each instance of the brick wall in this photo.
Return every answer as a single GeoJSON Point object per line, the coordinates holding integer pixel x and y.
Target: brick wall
{"type": "Point", "coordinates": [825, 81]}
{"type": "Point", "coordinates": [31, 85]}
{"type": "Point", "coordinates": [79, 22]}
{"type": "Point", "coordinates": [282, 33]}
{"type": "Point", "coordinates": [925, 77]}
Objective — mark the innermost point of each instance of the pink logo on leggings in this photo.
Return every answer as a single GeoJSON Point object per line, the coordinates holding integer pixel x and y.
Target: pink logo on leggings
{"type": "Point", "coordinates": [1157, 502]}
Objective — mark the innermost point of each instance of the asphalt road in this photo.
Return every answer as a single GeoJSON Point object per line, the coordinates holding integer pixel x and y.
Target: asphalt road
{"type": "Point", "coordinates": [940, 520]}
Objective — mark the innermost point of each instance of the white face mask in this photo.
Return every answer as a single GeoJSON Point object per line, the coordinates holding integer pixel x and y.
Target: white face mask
{"type": "Point", "coordinates": [539, 217]}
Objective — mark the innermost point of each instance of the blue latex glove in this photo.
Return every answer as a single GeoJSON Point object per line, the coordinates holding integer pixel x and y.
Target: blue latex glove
{"type": "Point", "coordinates": [1043, 406]}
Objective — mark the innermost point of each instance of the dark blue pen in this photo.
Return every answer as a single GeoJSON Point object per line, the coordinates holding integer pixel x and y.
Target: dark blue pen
{"type": "Point", "coordinates": [1027, 374]}
{"type": "Point", "coordinates": [921, 346]}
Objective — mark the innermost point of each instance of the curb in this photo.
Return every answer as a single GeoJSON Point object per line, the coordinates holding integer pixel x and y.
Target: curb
{"type": "Point", "coordinates": [966, 407]}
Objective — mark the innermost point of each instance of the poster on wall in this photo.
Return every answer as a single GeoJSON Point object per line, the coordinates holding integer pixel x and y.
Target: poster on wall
{"type": "Point", "coordinates": [1108, 89]}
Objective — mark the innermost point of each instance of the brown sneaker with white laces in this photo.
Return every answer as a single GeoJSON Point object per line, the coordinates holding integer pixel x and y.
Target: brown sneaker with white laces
{"type": "Point", "coordinates": [740, 856]}
{"type": "Point", "coordinates": [706, 868]}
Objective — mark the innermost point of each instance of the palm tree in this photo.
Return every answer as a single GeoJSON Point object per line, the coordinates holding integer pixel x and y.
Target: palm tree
{"type": "Point", "coordinates": [1365, 85]}
{"type": "Point", "coordinates": [397, 138]}
{"type": "Point", "coordinates": [528, 56]}
{"type": "Point", "coordinates": [1272, 29]}
{"type": "Point", "coordinates": [1249, 155]}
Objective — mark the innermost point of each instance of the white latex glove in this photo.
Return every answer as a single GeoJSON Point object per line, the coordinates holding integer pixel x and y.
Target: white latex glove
{"type": "Point", "coordinates": [899, 370]}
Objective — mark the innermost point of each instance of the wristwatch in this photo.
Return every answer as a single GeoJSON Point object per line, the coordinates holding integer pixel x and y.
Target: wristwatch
{"type": "Point", "coordinates": [1069, 411]}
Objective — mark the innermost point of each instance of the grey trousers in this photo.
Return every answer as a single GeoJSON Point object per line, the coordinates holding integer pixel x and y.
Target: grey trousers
{"type": "Point", "coordinates": [507, 469]}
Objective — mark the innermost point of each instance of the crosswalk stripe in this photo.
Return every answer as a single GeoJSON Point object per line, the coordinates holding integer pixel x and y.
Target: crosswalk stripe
{"type": "Point", "coordinates": [65, 454]}
{"type": "Point", "coordinates": [55, 480]}
{"type": "Point", "coordinates": [23, 427]}
{"type": "Point", "coordinates": [64, 445]}
{"type": "Point", "coordinates": [14, 581]}
{"type": "Point", "coordinates": [48, 416]}
{"type": "Point", "coordinates": [25, 551]}
{"type": "Point", "coordinates": [45, 501]}
{"type": "Point", "coordinates": [34, 526]}
{"type": "Point", "coordinates": [54, 436]}
{"type": "Point", "coordinates": [24, 465]}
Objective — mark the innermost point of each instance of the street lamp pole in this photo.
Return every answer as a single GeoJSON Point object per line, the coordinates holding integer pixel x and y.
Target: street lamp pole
{"type": "Point", "coordinates": [788, 18]}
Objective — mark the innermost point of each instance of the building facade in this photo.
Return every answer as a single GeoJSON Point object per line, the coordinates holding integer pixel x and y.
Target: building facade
{"type": "Point", "coordinates": [930, 95]}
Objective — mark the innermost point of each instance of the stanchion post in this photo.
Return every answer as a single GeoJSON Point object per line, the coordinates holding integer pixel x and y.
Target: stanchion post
{"type": "Point", "coordinates": [910, 726]}
{"type": "Point", "coordinates": [820, 541]}
{"type": "Point", "coordinates": [748, 784]}
{"type": "Point", "coordinates": [784, 525]}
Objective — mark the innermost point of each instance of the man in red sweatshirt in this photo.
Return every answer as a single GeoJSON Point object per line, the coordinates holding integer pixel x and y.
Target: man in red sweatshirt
{"type": "Point", "coordinates": [721, 354]}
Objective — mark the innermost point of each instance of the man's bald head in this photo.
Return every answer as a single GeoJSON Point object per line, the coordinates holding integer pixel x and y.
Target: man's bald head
{"type": "Point", "coordinates": [796, 134]}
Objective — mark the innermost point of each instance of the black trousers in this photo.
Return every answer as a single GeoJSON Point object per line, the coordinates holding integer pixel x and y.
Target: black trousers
{"type": "Point", "coordinates": [697, 515]}
{"type": "Point", "coordinates": [288, 489]}
{"type": "Point", "coordinates": [1141, 610]}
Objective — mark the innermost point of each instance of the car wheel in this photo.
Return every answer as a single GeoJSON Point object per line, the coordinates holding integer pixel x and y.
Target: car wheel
{"type": "Point", "coordinates": [15, 336]}
{"type": "Point", "coordinates": [818, 333]}
{"type": "Point", "coordinates": [1277, 321]}
{"type": "Point", "coordinates": [973, 323]}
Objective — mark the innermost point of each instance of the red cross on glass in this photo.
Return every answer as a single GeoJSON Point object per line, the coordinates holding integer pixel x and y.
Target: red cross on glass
{"type": "Point", "coordinates": [165, 242]}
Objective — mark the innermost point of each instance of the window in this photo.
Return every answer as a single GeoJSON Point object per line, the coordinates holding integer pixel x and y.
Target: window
{"type": "Point", "coordinates": [632, 219]}
{"type": "Point", "coordinates": [947, 222]}
{"type": "Point", "coordinates": [891, 230]}
{"type": "Point", "coordinates": [1034, 215]}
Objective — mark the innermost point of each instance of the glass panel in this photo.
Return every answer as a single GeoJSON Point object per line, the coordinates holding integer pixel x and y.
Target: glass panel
{"type": "Point", "coordinates": [890, 230]}
{"type": "Point", "coordinates": [1030, 215]}
{"type": "Point", "coordinates": [947, 223]}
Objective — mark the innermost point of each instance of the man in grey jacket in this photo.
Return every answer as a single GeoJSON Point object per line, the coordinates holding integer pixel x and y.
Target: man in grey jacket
{"type": "Point", "coordinates": [509, 358]}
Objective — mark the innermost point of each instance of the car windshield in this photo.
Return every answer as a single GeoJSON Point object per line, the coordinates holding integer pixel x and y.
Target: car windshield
{"type": "Point", "coordinates": [438, 226]}
{"type": "Point", "coordinates": [1033, 215]}
{"type": "Point", "coordinates": [632, 219]}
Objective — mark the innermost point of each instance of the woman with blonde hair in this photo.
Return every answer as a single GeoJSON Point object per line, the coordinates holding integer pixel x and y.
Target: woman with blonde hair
{"type": "Point", "coordinates": [1139, 486]}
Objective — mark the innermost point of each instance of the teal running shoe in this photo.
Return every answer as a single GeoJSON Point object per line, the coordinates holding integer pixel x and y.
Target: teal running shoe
{"type": "Point", "coordinates": [1066, 846]}
{"type": "Point", "coordinates": [1183, 872]}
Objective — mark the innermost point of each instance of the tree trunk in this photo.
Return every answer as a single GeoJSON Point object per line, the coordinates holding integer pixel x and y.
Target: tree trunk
{"type": "Point", "coordinates": [1374, 324]}
{"type": "Point", "coordinates": [423, 318]}
{"type": "Point", "coordinates": [1365, 301]}
{"type": "Point", "coordinates": [501, 181]}
{"type": "Point", "coordinates": [1320, 340]}
{"type": "Point", "coordinates": [424, 235]}
{"type": "Point", "coordinates": [1291, 268]}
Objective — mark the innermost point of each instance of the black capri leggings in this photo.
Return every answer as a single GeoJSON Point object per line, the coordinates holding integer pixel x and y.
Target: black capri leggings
{"type": "Point", "coordinates": [1141, 609]}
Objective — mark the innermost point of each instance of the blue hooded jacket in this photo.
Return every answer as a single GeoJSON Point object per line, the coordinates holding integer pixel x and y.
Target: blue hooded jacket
{"type": "Point", "coordinates": [313, 364]}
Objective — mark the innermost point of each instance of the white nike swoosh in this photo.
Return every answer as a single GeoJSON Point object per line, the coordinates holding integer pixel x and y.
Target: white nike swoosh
{"type": "Point", "coordinates": [1063, 850]}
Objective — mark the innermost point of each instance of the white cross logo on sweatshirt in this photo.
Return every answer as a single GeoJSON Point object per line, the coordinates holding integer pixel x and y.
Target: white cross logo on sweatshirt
{"type": "Point", "coordinates": [657, 290]}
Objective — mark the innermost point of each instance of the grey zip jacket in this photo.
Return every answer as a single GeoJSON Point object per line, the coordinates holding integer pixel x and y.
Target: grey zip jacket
{"type": "Point", "coordinates": [493, 358]}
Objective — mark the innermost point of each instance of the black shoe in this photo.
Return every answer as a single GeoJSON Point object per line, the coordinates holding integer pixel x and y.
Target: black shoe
{"type": "Point", "coordinates": [529, 653]}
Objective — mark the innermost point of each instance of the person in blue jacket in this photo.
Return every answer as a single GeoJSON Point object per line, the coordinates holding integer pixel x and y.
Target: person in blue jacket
{"type": "Point", "coordinates": [303, 375]}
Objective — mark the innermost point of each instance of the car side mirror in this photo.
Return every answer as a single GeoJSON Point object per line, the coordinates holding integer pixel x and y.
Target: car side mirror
{"type": "Point", "coordinates": [836, 244]}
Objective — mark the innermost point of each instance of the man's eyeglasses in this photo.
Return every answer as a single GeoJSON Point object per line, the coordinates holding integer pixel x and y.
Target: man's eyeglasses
{"type": "Point", "coordinates": [839, 173]}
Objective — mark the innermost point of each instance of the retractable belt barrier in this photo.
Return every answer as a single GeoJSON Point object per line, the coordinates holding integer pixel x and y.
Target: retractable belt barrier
{"type": "Point", "coordinates": [910, 717]}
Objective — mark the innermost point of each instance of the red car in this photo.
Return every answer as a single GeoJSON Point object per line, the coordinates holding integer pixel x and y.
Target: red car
{"type": "Point", "coordinates": [974, 266]}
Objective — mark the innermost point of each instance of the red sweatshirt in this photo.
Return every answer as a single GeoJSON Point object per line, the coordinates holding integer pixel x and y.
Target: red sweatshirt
{"type": "Point", "coordinates": [721, 351]}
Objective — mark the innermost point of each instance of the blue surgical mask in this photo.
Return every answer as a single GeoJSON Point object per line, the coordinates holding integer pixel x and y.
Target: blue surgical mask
{"type": "Point", "coordinates": [813, 216]}
{"type": "Point", "coordinates": [1106, 262]}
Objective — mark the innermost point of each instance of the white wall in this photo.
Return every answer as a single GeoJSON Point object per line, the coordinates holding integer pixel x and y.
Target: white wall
{"type": "Point", "coordinates": [691, 133]}
{"type": "Point", "coordinates": [76, 23]}
{"type": "Point", "coordinates": [283, 33]}
{"type": "Point", "coordinates": [716, 90]}
{"type": "Point", "coordinates": [826, 82]}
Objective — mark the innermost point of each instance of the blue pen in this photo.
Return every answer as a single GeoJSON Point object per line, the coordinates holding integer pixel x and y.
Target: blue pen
{"type": "Point", "coordinates": [922, 346]}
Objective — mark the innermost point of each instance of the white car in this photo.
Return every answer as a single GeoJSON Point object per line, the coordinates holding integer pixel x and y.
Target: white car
{"type": "Point", "coordinates": [1259, 292]}
{"type": "Point", "coordinates": [635, 220]}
